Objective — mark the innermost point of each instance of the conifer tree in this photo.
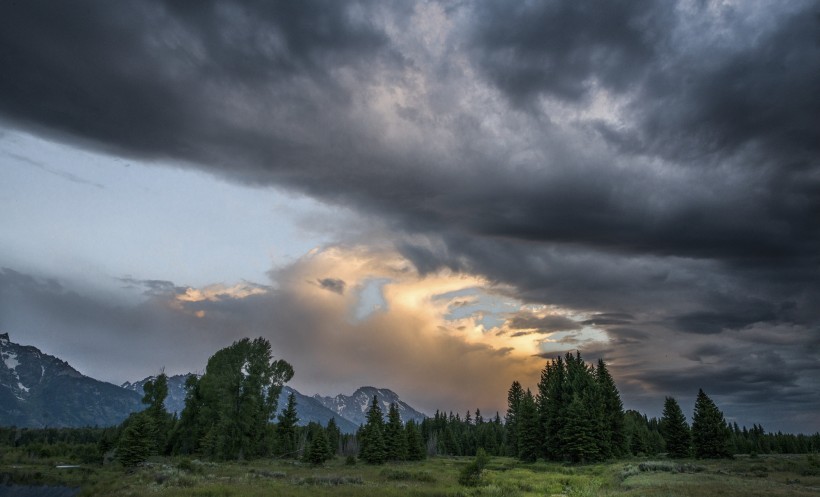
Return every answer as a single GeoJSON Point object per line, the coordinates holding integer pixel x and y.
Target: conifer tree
{"type": "Point", "coordinates": [334, 437]}
{"type": "Point", "coordinates": [415, 444]}
{"type": "Point", "coordinates": [394, 436]}
{"type": "Point", "coordinates": [674, 429]}
{"type": "Point", "coordinates": [136, 442]}
{"type": "Point", "coordinates": [578, 433]}
{"type": "Point", "coordinates": [613, 412]}
{"type": "Point", "coordinates": [372, 448]}
{"type": "Point", "coordinates": [286, 429]}
{"type": "Point", "coordinates": [318, 450]}
{"type": "Point", "coordinates": [529, 443]}
{"type": "Point", "coordinates": [514, 396]}
{"type": "Point", "coordinates": [710, 434]}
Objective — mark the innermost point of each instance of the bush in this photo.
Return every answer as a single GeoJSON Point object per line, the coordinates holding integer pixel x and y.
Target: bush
{"type": "Point", "coordinates": [471, 475]}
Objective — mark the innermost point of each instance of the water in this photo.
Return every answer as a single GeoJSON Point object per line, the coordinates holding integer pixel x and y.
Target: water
{"type": "Point", "coordinates": [37, 491]}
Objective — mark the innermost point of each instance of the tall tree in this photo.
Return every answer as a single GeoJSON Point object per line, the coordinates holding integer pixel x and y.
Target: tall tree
{"type": "Point", "coordinates": [372, 447]}
{"type": "Point", "coordinates": [286, 429]}
{"type": "Point", "coordinates": [578, 433]}
{"type": "Point", "coordinates": [415, 443]}
{"type": "Point", "coordinates": [156, 391]}
{"type": "Point", "coordinates": [613, 412]}
{"type": "Point", "coordinates": [710, 434]}
{"type": "Point", "coordinates": [334, 437]}
{"type": "Point", "coordinates": [235, 400]}
{"type": "Point", "coordinates": [674, 429]}
{"type": "Point", "coordinates": [529, 442]}
{"type": "Point", "coordinates": [514, 396]}
{"type": "Point", "coordinates": [394, 436]}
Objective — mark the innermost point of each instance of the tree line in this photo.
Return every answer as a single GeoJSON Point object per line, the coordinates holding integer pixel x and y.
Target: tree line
{"type": "Point", "coordinates": [574, 415]}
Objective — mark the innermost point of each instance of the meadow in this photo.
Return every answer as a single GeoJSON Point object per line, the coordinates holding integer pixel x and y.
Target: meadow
{"type": "Point", "coordinates": [743, 476]}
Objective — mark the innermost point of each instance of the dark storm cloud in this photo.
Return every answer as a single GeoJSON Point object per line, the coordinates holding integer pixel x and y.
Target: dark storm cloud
{"type": "Point", "coordinates": [652, 164]}
{"type": "Point", "coordinates": [545, 324]}
{"type": "Point", "coordinates": [564, 48]}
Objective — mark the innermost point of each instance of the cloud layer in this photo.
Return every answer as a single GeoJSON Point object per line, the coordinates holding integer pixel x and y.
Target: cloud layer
{"type": "Point", "coordinates": [650, 165]}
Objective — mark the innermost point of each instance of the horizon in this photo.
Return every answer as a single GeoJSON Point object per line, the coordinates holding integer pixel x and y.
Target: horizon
{"type": "Point", "coordinates": [433, 196]}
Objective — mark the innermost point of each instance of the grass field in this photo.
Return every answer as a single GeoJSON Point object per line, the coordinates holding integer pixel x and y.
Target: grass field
{"type": "Point", "coordinates": [743, 477]}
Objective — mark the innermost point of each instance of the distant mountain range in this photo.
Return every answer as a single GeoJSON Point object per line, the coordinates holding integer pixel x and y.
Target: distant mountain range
{"type": "Point", "coordinates": [40, 390]}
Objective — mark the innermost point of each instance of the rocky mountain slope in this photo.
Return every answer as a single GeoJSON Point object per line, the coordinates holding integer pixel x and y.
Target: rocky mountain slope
{"type": "Point", "coordinates": [40, 390]}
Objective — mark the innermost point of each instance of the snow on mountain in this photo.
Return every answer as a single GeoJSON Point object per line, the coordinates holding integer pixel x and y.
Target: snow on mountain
{"type": "Point", "coordinates": [38, 390]}
{"type": "Point", "coordinates": [354, 407]}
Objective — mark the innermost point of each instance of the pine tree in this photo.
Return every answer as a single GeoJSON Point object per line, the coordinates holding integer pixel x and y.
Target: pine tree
{"type": "Point", "coordinates": [415, 443]}
{"type": "Point", "coordinates": [136, 442]}
{"type": "Point", "coordinates": [674, 429]}
{"type": "Point", "coordinates": [514, 396]}
{"type": "Point", "coordinates": [372, 448]}
{"type": "Point", "coordinates": [394, 436]}
{"type": "Point", "coordinates": [334, 437]}
{"type": "Point", "coordinates": [710, 434]}
{"type": "Point", "coordinates": [318, 450]}
{"type": "Point", "coordinates": [553, 394]}
{"type": "Point", "coordinates": [286, 429]}
{"type": "Point", "coordinates": [578, 433]}
{"type": "Point", "coordinates": [529, 443]}
{"type": "Point", "coordinates": [613, 412]}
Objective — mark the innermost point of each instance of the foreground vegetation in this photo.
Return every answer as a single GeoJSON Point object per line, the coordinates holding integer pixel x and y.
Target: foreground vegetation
{"type": "Point", "coordinates": [772, 475]}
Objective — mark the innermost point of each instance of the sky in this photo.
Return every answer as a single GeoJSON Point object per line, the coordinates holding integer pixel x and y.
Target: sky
{"type": "Point", "coordinates": [434, 197]}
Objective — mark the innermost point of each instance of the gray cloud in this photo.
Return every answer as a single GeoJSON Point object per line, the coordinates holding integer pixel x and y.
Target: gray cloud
{"type": "Point", "coordinates": [333, 284]}
{"type": "Point", "coordinates": [652, 166]}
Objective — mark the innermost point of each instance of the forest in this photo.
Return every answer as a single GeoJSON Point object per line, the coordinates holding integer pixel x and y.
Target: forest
{"type": "Point", "coordinates": [575, 415]}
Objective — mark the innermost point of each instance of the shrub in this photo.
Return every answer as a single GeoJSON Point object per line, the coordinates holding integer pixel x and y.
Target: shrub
{"type": "Point", "coordinates": [471, 475]}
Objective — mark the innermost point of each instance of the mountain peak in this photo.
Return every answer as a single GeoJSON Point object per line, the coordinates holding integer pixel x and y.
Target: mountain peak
{"type": "Point", "coordinates": [354, 407]}
{"type": "Point", "coordinates": [4, 339]}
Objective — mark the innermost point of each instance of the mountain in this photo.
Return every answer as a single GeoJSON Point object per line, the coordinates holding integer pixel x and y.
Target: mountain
{"type": "Point", "coordinates": [39, 390]}
{"type": "Point", "coordinates": [175, 401]}
{"type": "Point", "coordinates": [349, 411]}
{"type": "Point", "coordinates": [309, 409]}
{"type": "Point", "coordinates": [354, 407]}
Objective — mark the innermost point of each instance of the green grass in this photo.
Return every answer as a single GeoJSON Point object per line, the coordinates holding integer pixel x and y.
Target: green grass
{"type": "Point", "coordinates": [797, 476]}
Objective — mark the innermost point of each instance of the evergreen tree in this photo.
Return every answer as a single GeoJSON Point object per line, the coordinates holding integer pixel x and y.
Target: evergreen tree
{"type": "Point", "coordinates": [334, 437]}
{"type": "Point", "coordinates": [415, 443]}
{"type": "Point", "coordinates": [674, 429]}
{"type": "Point", "coordinates": [286, 429]}
{"type": "Point", "coordinates": [136, 442]}
{"type": "Point", "coordinates": [394, 436]}
{"type": "Point", "coordinates": [529, 443]}
{"type": "Point", "coordinates": [514, 396]}
{"type": "Point", "coordinates": [318, 450]}
{"type": "Point", "coordinates": [372, 448]}
{"type": "Point", "coordinates": [710, 434]}
{"type": "Point", "coordinates": [578, 433]}
{"type": "Point", "coordinates": [613, 412]}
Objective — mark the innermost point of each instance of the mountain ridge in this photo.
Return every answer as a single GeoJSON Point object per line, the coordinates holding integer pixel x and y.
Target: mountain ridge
{"type": "Point", "coordinates": [40, 390]}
